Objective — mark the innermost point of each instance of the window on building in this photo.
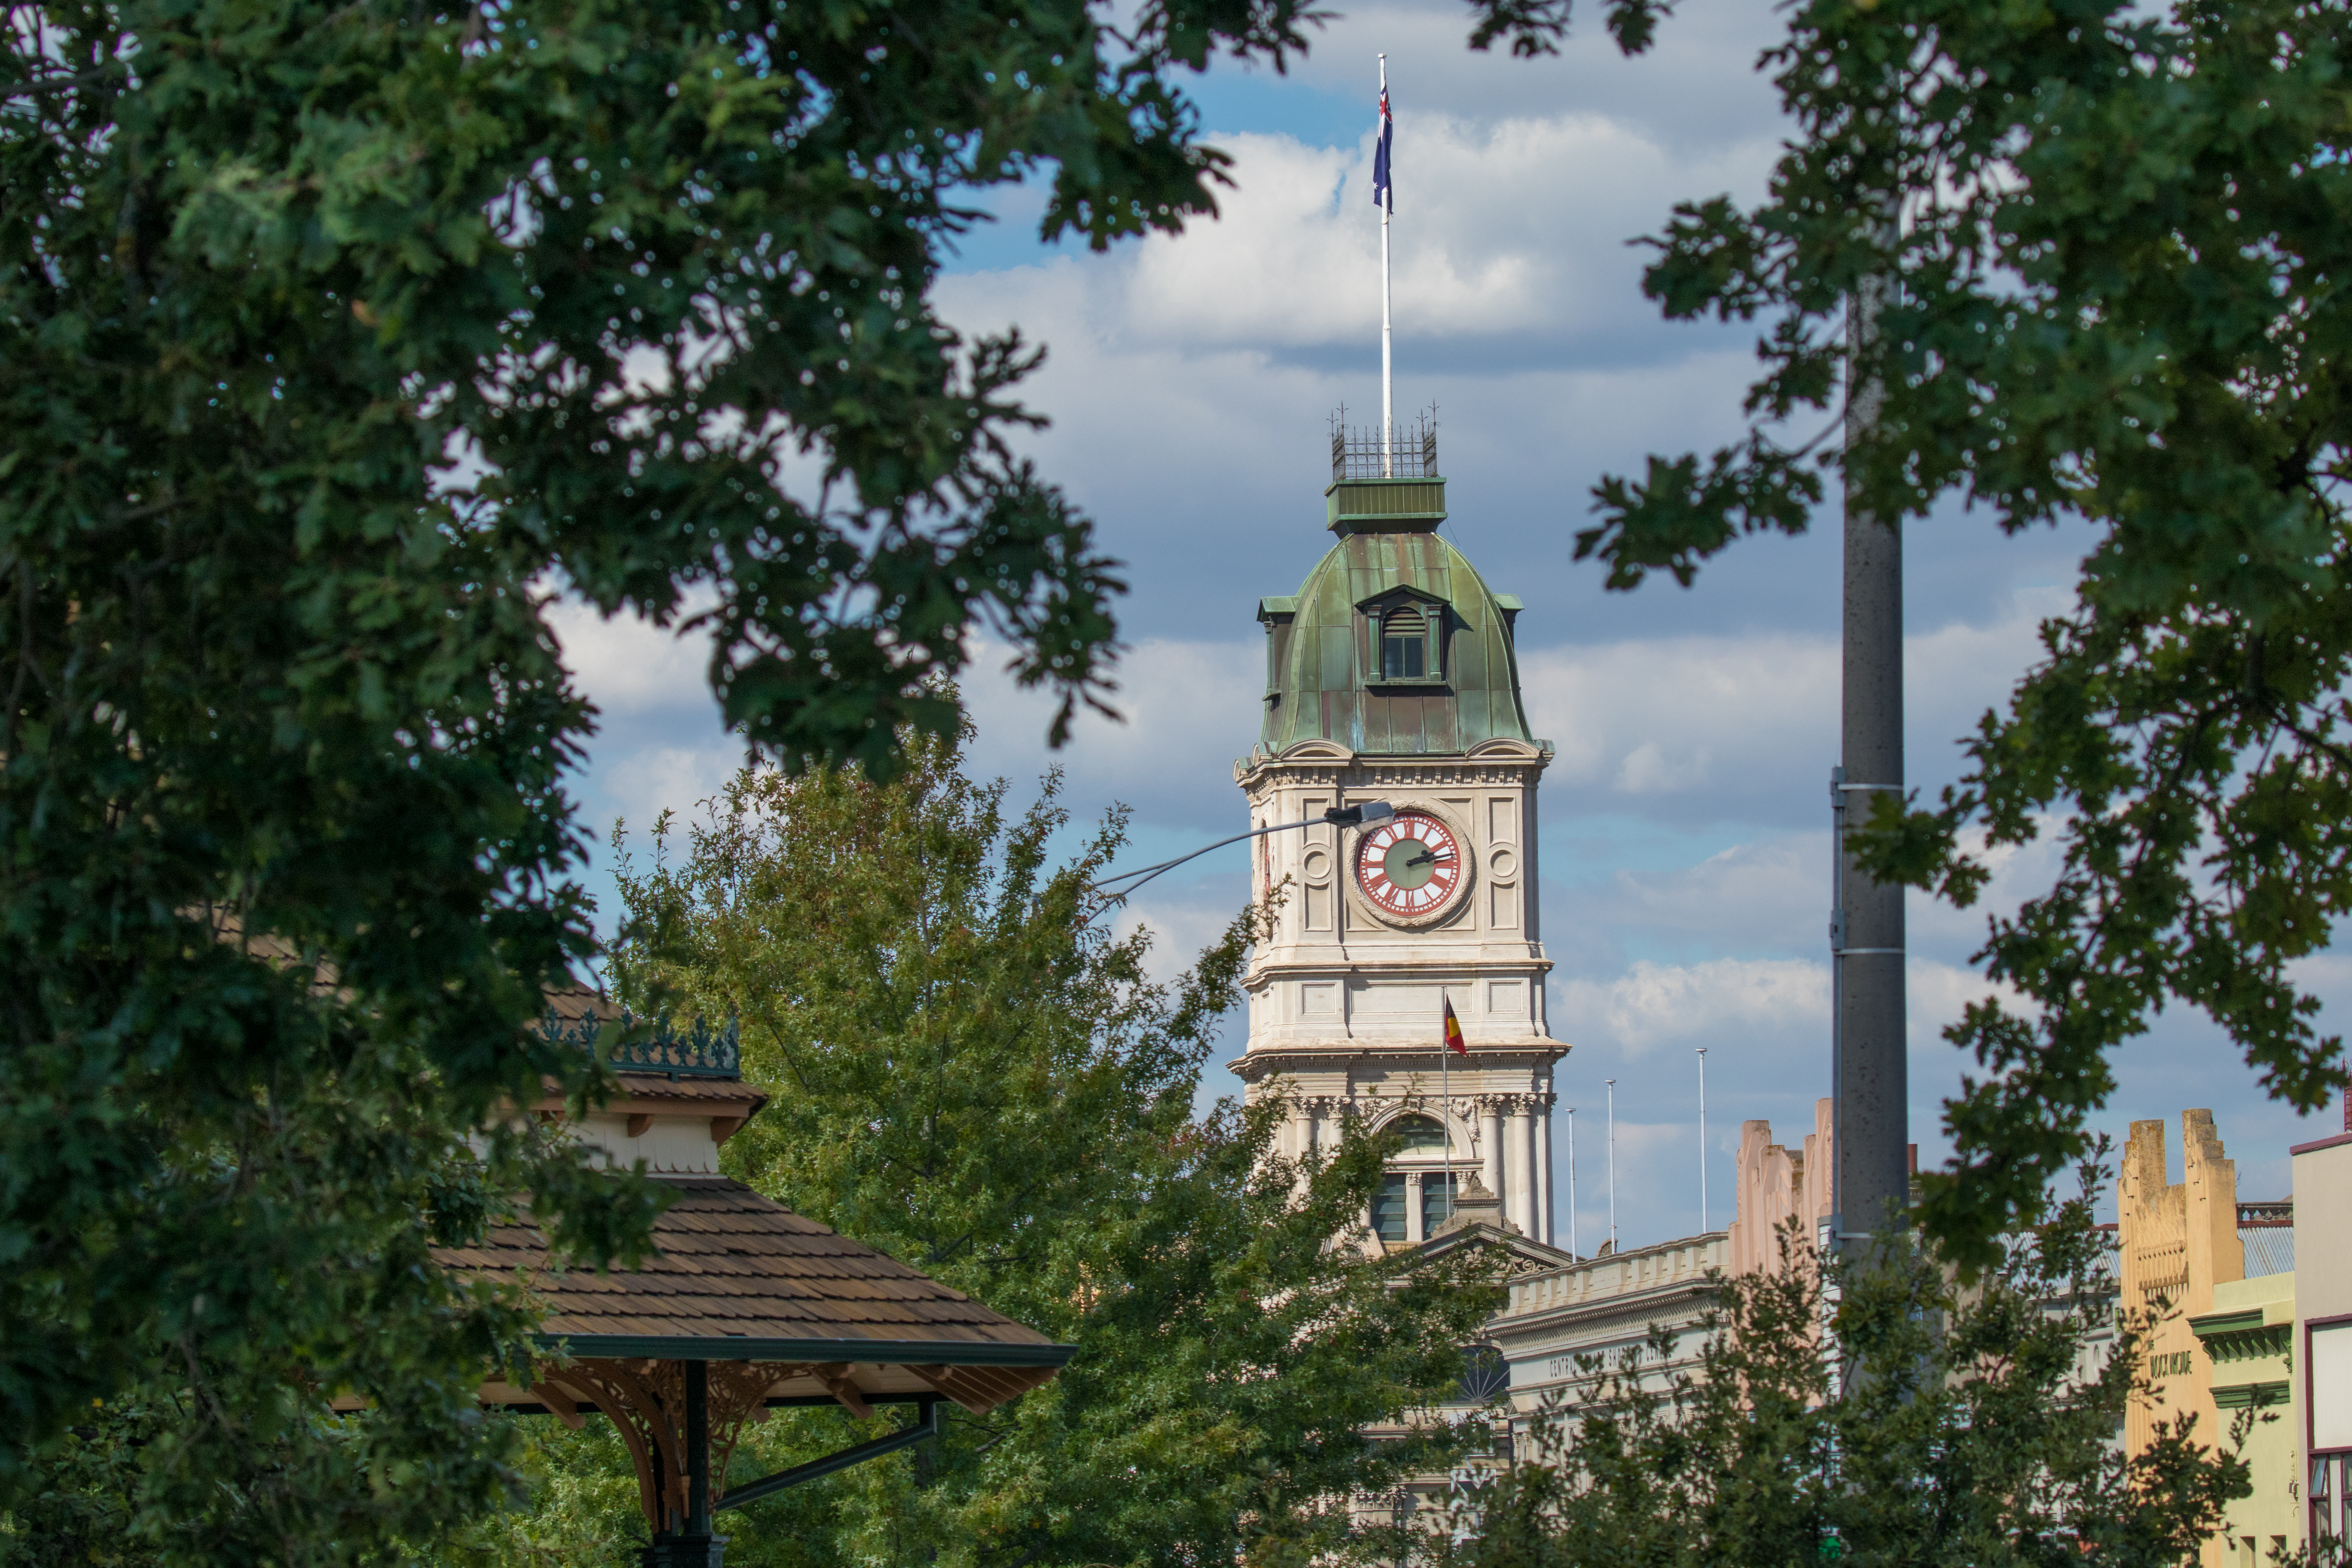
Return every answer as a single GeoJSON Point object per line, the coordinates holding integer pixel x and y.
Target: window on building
{"type": "Point", "coordinates": [1388, 1208]}
{"type": "Point", "coordinates": [1486, 1376]}
{"type": "Point", "coordinates": [1436, 1201]}
{"type": "Point", "coordinates": [1421, 1135]}
{"type": "Point", "coordinates": [1405, 644]}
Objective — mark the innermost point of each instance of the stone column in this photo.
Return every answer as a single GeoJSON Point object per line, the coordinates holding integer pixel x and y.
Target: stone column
{"type": "Point", "coordinates": [1490, 1115]}
{"type": "Point", "coordinates": [1543, 1173]}
{"type": "Point", "coordinates": [1519, 1180]}
{"type": "Point", "coordinates": [1413, 1209]}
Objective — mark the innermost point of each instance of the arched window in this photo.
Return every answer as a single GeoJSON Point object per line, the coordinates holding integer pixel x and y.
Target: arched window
{"type": "Point", "coordinates": [1486, 1376]}
{"type": "Point", "coordinates": [1405, 644]}
{"type": "Point", "coordinates": [1388, 1209]}
{"type": "Point", "coordinates": [1421, 1135]}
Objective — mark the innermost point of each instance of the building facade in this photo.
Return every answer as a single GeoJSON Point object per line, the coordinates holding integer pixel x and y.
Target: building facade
{"type": "Point", "coordinates": [1561, 1319]}
{"type": "Point", "coordinates": [1391, 676]}
{"type": "Point", "coordinates": [2319, 1377]}
{"type": "Point", "coordinates": [2215, 1280]}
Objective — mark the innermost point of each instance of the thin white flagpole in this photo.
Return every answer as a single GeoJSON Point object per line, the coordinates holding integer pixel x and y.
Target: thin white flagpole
{"type": "Point", "coordinates": [1613, 1165]}
{"type": "Point", "coordinates": [1571, 1181]}
{"type": "Point", "coordinates": [1702, 1141]}
{"type": "Point", "coordinates": [1388, 384]}
{"type": "Point", "coordinates": [1445, 1093]}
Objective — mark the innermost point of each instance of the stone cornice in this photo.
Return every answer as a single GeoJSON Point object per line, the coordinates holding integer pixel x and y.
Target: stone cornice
{"type": "Point", "coordinates": [1331, 766]}
{"type": "Point", "coordinates": [1274, 1061]}
{"type": "Point", "coordinates": [1634, 1311]}
{"type": "Point", "coordinates": [1474, 964]}
{"type": "Point", "coordinates": [1464, 1106]}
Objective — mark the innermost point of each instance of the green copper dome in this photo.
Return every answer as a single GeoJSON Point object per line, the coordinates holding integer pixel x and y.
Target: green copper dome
{"type": "Point", "coordinates": [1393, 644]}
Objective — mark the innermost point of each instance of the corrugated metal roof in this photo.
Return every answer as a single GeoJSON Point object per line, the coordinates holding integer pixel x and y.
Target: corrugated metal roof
{"type": "Point", "coordinates": [2270, 1249]}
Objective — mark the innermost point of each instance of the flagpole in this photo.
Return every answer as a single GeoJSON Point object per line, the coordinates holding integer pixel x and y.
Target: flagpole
{"type": "Point", "coordinates": [1701, 1139]}
{"type": "Point", "coordinates": [1613, 1165]}
{"type": "Point", "coordinates": [1387, 384]}
{"type": "Point", "coordinates": [1571, 1181]}
{"type": "Point", "coordinates": [1445, 1116]}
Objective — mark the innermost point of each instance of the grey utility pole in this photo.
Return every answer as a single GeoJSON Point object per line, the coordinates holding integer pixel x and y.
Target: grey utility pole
{"type": "Point", "coordinates": [1870, 1067]}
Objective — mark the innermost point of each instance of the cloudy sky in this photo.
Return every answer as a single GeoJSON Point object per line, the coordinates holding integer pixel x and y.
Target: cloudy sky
{"type": "Point", "coordinates": [1686, 850]}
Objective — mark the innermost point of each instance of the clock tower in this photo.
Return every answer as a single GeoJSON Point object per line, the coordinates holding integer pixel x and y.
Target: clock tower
{"type": "Point", "coordinates": [1392, 674]}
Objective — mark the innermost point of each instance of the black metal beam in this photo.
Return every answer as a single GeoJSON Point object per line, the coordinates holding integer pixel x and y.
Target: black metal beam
{"type": "Point", "coordinates": [767, 1485]}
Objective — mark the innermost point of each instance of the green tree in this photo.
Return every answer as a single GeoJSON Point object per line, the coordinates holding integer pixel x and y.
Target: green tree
{"type": "Point", "coordinates": [334, 336]}
{"type": "Point", "coordinates": [2106, 239]}
{"type": "Point", "coordinates": [1972, 1428]}
{"type": "Point", "coordinates": [970, 1071]}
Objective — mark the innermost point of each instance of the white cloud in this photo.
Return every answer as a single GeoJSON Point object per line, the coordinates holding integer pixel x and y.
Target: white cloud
{"type": "Point", "coordinates": [626, 663]}
{"type": "Point", "coordinates": [1696, 87]}
{"type": "Point", "coordinates": [642, 785]}
{"type": "Point", "coordinates": [1653, 1004]}
{"type": "Point", "coordinates": [1293, 259]}
{"type": "Point", "coordinates": [1186, 710]}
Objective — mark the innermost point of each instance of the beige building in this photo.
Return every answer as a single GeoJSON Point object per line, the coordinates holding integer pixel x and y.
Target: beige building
{"type": "Point", "coordinates": [1602, 1305]}
{"type": "Point", "coordinates": [2221, 1345]}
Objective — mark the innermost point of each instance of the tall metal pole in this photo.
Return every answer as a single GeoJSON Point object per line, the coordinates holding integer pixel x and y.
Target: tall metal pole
{"type": "Point", "coordinates": [1870, 1184]}
{"type": "Point", "coordinates": [1572, 1165]}
{"type": "Point", "coordinates": [1613, 1165]}
{"type": "Point", "coordinates": [1388, 383]}
{"type": "Point", "coordinates": [1702, 1141]}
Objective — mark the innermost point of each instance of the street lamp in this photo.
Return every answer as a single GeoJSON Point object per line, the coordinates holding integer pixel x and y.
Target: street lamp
{"type": "Point", "coordinates": [1338, 815]}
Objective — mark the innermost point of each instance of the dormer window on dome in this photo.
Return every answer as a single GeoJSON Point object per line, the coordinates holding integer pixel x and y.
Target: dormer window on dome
{"type": "Point", "coordinates": [1404, 645]}
{"type": "Point", "coordinates": [1407, 633]}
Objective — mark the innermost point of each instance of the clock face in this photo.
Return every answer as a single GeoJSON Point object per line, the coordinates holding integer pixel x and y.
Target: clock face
{"type": "Point", "coordinates": [1410, 865]}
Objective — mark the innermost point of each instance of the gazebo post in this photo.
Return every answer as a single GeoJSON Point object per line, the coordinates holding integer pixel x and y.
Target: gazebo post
{"type": "Point", "coordinates": [698, 1448]}
{"type": "Point", "coordinates": [690, 1543]}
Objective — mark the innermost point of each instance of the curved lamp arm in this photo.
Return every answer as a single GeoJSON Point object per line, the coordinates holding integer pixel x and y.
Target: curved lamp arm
{"type": "Point", "coordinates": [1340, 815]}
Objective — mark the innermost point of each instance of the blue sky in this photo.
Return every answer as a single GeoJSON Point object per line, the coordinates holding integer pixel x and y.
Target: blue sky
{"type": "Point", "coordinates": [1685, 842]}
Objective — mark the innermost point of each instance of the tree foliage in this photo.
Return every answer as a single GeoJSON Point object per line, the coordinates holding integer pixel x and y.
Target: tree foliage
{"type": "Point", "coordinates": [1971, 1428]}
{"type": "Point", "coordinates": [2106, 241]}
{"type": "Point", "coordinates": [970, 1071]}
{"type": "Point", "coordinates": [334, 337]}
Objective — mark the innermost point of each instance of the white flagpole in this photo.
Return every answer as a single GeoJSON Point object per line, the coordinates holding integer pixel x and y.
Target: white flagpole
{"type": "Point", "coordinates": [1571, 1181]}
{"type": "Point", "coordinates": [1613, 1165]}
{"type": "Point", "coordinates": [1445, 1093]}
{"type": "Point", "coordinates": [1388, 386]}
{"type": "Point", "coordinates": [1702, 1141]}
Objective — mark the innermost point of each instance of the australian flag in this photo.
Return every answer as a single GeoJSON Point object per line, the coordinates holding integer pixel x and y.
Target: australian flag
{"type": "Point", "coordinates": [1382, 195]}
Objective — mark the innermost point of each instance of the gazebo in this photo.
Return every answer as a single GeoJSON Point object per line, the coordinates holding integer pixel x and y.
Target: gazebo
{"type": "Point", "coordinates": [745, 1306]}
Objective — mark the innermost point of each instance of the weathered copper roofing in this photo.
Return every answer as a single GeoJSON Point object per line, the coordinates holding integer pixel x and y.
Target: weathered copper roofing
{"type": "Point", "coordinates": [738, 1277]}
{"type": "Point", "coordinates": [1322, 670]}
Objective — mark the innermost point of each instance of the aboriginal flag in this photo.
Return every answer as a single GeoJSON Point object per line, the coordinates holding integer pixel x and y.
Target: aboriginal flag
{"type": "Point", "coordinates": [1454, 1040]}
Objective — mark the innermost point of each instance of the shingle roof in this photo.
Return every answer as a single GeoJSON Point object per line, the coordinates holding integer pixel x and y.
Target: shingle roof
{"type": "Point", "coordinates": [738, 1277]}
